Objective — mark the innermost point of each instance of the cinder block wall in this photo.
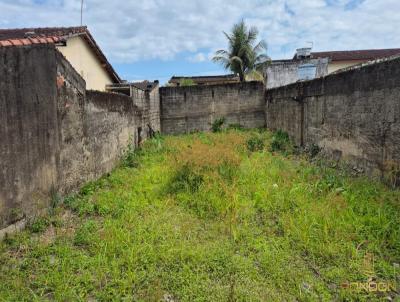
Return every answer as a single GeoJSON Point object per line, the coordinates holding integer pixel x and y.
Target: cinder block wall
{"type": "Point", "coordinates": [195, 108]}
{"type": "Point", "coordinates": [353, 115]}
{"type": "Point", "coordinates": [55, 135]}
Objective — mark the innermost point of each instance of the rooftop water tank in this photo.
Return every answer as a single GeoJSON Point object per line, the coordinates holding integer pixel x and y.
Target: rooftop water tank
{"type": "Point", "coordinates": [306, 72]}
{"type": "Point", "coordinates": [304, 52]}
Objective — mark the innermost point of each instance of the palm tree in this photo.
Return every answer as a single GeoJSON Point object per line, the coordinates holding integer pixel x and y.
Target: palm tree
{"type": "Point", "coordinates": [244, 57]}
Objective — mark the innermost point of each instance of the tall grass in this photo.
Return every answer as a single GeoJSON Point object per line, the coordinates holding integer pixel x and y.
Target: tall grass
{"type": "Point", "coordinates": [226, 216]}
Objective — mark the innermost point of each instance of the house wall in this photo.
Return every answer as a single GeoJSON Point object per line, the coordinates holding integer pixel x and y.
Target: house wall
{"type": "Point", "coordinates": [353, 115]}
{"type": "Point", "coordinates": [83, 59]}
{"type": "Point", "coordinates": [195, 108]}
{"type": "Point", "coordinates": [55, 135]}
{"type": "Point", "coordinates": [281, 73]}
{"type": "Point", "coordinates": [336, 65]}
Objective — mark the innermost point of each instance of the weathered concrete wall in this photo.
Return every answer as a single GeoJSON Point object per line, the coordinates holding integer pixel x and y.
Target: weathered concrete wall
{"type": "Point", "coordinates": [353, 115]}
{"type": "Point", "coordinates": [195, 108]}
{"type": "Point", "coordinates": [71, 95]}
{"type": "Point", "coordinates": [29, 140]}
{"type": "Point", "coordinates": [148, 102]}
{"type": "Point", "coordinates": [154, 110]}
{"type": "Point", "coordinates": [55, 135]}
{"type": "Point", "coordinates": [110, 126]}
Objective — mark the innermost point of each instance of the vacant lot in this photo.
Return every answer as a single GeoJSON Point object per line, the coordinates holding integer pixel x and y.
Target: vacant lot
{"type": "Point", "coordinates": [230, 216]}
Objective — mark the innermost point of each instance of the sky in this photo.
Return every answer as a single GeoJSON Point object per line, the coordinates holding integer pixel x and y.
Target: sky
{"type": "Point", "coordinates": [156, 39]}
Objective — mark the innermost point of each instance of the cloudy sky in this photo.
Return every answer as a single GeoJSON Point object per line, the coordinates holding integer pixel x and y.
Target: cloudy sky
{"type": "Point", "coordinates": [155, 39]}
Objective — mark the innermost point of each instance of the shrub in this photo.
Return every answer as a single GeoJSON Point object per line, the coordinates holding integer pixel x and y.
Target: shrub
{"type": "Point", "coordinates": [217, 124]}
{"type": "Point", "coordinates": [255, 143]}
{"type": "Point", "coordinates": [281, 142]}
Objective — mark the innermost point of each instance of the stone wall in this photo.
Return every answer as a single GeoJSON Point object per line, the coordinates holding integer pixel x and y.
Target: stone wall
{"type": "Point", "coordinates": [55, 135]}
{"type": "Point", "coordinates": [195, 108]}
{"type": "Point", "coordinates": [353, 115]}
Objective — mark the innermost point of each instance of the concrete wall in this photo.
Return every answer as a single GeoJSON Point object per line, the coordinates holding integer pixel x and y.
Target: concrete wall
{"type": "Point", "coordinates": [285, 72]}
{"type": "Point", "coordinates": [353, 115]}
{"type": "Point", "coordinates": [85, 62]}
{"type": "Point", "coordinates": [148, 102]}
{"type": "Point", "coordinates": [55, 135]}
{"type": "Point", "coordinates": [195, 108]}
{"type": "Point", "coordinates": [111, 122]}
{"type": "Point", "coordinates": [29, 131]}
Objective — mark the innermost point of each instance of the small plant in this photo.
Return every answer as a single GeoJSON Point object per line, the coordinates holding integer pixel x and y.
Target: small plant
{"type": "Point", "coordinates": [55, 200]}
{"type": "Point", "coordinates": [313, 150]}
{"type": "Point", "coordinates": [281, 142]}
{"type": "Point", "coordinates": [255, 143]}
{"type": "Point", "coordinates": [217, 124]}
{"type": "Point", "coordinates": [129, 159]}
{"type": "Point", "coordinates": [39, 225]}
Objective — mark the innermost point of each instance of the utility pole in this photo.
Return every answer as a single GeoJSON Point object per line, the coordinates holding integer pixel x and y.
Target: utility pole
{"type": "Point", "coordinates": [81, 12]}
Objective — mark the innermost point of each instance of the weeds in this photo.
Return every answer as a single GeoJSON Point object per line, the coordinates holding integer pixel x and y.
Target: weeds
{"type": "Point", "coordinates": [255, 143]}
{"type": "Point", "coordinates": [216, 126]}
{"type": "Point", "coordinates": [281, 142]}
{"type": "Point", "coordinates": [39, 225]}
{"type": "Point", "coordinates": [203, 219]}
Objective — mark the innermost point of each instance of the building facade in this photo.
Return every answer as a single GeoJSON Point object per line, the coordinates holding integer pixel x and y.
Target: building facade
{"type": "Point", "coordinates": [78, 47]}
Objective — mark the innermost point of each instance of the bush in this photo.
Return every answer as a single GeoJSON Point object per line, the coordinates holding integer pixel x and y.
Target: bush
{"type": "Point", "coordinates": [255, 143]}
{"type": "Point", "coordinates": [217, 124]}
{"type": "Point", "coordinates": [281, 142]}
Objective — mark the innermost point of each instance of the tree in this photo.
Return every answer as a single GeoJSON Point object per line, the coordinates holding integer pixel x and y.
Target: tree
{"type": "Point", "coordinates": [244, 56]}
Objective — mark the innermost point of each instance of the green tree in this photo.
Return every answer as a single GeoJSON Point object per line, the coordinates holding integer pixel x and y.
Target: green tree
{"type": "Point", "coordinates": [244, 57]}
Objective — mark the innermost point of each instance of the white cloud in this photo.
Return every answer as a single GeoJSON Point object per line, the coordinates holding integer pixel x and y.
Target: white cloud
{"type": "Point", "coordinates": [198, 58]}
{"type": "Point", "coordinates": [129, 30]}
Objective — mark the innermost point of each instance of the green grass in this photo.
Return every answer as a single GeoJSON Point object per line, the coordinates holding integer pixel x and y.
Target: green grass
{"type": "Point", "coordinates": [209, 217]}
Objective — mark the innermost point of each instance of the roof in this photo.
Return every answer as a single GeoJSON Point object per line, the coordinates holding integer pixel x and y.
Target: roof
{"type": "Point", "coordinates": [216, 78]}
{"type": "Point", "coordinates": [349, 55]}
{"type": "Point", "coordinates": [144, 85]}
{"type": "Point", "coordinates": [27, 36]}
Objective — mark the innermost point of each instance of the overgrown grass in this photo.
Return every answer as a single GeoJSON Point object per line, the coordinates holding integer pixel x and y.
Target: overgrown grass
{"type": "Point", "coordinates": [210, 217]}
